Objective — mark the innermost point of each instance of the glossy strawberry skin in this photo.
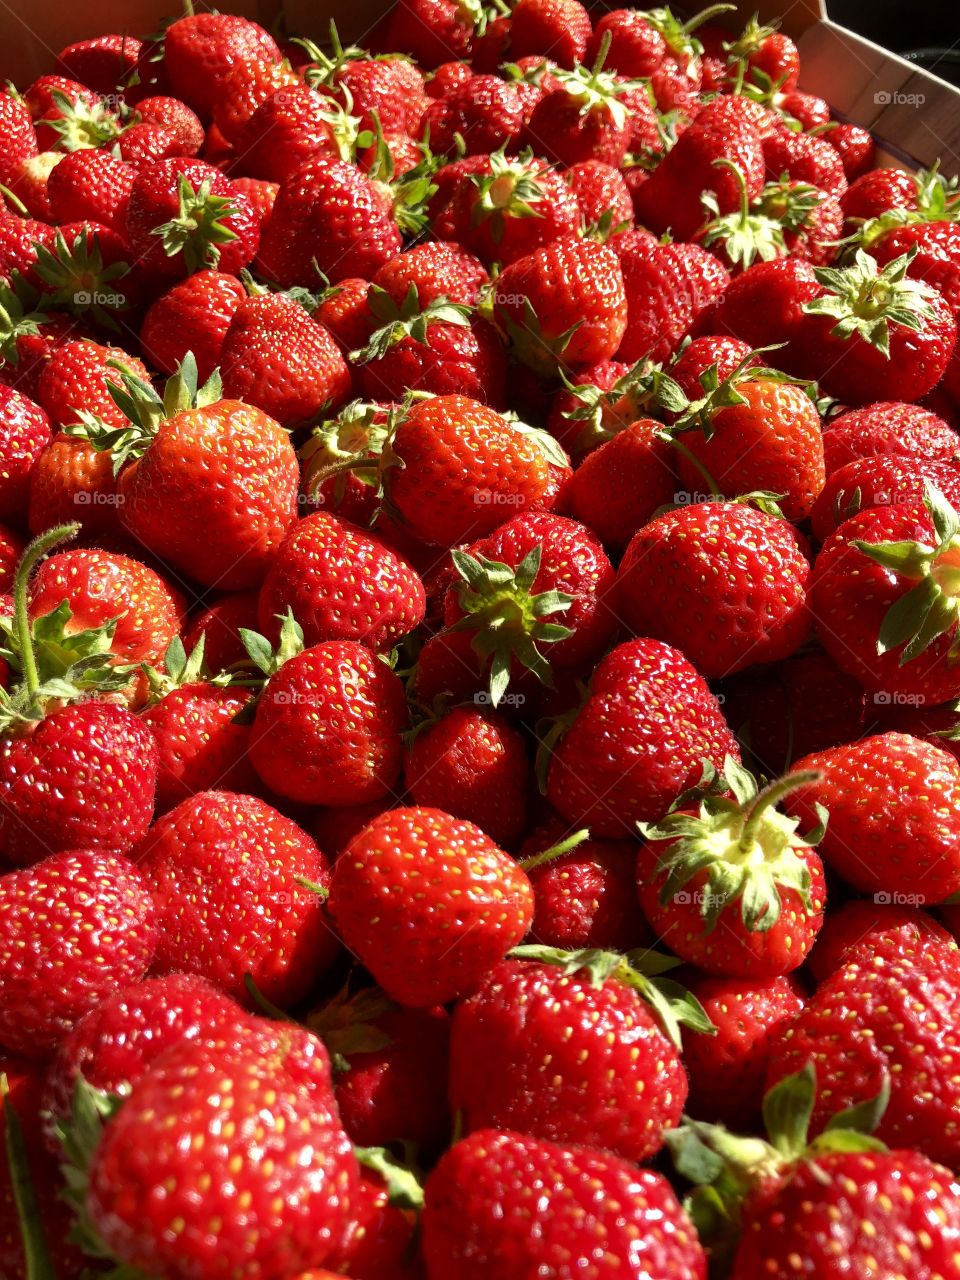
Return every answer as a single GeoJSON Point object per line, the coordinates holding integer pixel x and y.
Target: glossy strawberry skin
{"type": "Point", "coordinates": [888, 427]}
{"type": "Point", "coordinates": [664, 586]}
{"type": "Point", "coordinates": [475, 1222]}
{"type": "Point", "coordinates": [483, 110]}
{"type": "Point", "coordinates": [618, 487]}
{"type": "Point", "coordinates": [328, 725]}
{"type": "Point", "coordinates": [894, 804]}
{"type": "Point", "coordinates": [24, 432]}
{"type": "Point", "coordinates": [91, 185]}
{"type": "Point", "coordinates": [880, 481]}
{"type": "Point", "coordinates": [202, 742]}
{"type": "Point", "coordinates": [670, 289]}
{"type": "Point", "coordinates": [19, 136]}
{"type": "Point", "coordinates": [185, 1129]}
{"type": "Point", "coordinates": [77, 378]}
{"type": "Point", "coordinates": [74, 926]}
{"type": "Point", "coordinates": [425, 948]}
{"type": "Point", "coordinates": [194, 315]}
{"type": "Point", "coordinates": [561, 28]}
{"type": "Point", "coordinates": [235, 860]}
{"type": "Point", "coordinates": [765, 304]}
{"type": "Point", "coordinates": [72, 481]}
{"type": "Point", "coordinates": [200, 49]}
{"type": "Point", "coordinates": [639, 740]}
{"type": "Point", "coordinates": [867, 925]}
{"type": "Point", "coordinates": [83, 777]}
{"type": "Point", "coordinates": [290, 127]}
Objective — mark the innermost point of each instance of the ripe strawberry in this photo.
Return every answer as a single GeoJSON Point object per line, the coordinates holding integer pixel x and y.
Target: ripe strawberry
{"type": "Point", "coordinates": [883, 599]}
{"type": "Point", "coordinates": [855, 147]}
{"type": "Point", "coordinates": [741, 864]}
{"type": "Point", "coordinates": [390, 89]}
{"type": "Point", "coordinates": [277, 357]}
{"type": "Point", "coordinates": [475, 1223]}
{"type": "Point", "coordinates": [24, 432]}
{"type": "Point", "coordinates": [210, 463]}
{"type": "Point", "coordinates": [219, 627]}
{"type": "Point", "coordinates": [438, 271]}
{"type": "Point", "coordinates": [618, 487]}
{"type": "Point", "coordinates": [602, 196]}
{"type": "Point", "coordinates": [342, 583]}
{"type": "Point", "coordinates": [727, 1071]}
{"type": "Point", "coordinates": [670, 289]}
{"type": "Point", "coordinates": [888, 1014]}
{"type": "Point", "coordinates": [671, 198]}
{"type": "Point", "coordinates": [19, 136]}
{"type": "Point", "coordinates": [77, 379]}
{"type": "Point", "coordinates": [867, 926]}
{"type": "Point", "coordinates": [483, 110]}
{"type": "Point", "coordinates": [176, 117]}
{"type": "Point", "coordinates": [894, 812]}
{"type": "Point", "coordinates": [245, 86]}
{"type": "Point", "coordinates": [72, 481]}
{"type": "Point", "coordinates": [803, 157]}
{"type": "Point", "coordinates": [560, 28]}
{"type": "Point", "coordinates": [559, 1025]}
{"type": "Point", "coordinates": [261, 194]}
{"type": "Point", "coordinates": [174, 1159]}
{"type": "Point", "coordinates": [390, 1068]}
{"type": "Point", "coordinates": [143, 145]}
{"type": "Point", "coordinates": [669, 585]}
{"type": "Point", "coordinates": [93, 186]}
{"type": "Point", "coordinates": [586, 117]}
{"type": "Point", "coordinates": [473, 764]}
{"type": "Point", "coordinates": [433, 944]}
{"type": "Point", "coordinates": [765, 305]}
{"type": "Point", "coordinates": [328, 724]}
{"type": "Point", "coordinates": [462, 466]}
{"type": "Point", "coordinates": [101, 63]}
{"type": "Point", "coordinates": [880, 481]}
{"type": "Point", "coordinates": [639, 740]}
{"type": "Point", "coordinates": [193, 315]}
{"type": "Point", "coordinates": [74, 925]}
{"type": "Point", "coordinates": [563, 303]}
{"type": "Point", "coordinates": [293, 125]}
{"type": "Point", "coordinates": [383, 1237]}
{"type": "Point", "coordinates": [888, 427]}
{"type": "Point", "coordinates": [199, 50]}
{"type": "Point", "coordinates": [654, 44]}
{"type": "Point", "coordinates": [584, 898]}
{"type": "Point", "coordinates": [235, 860]}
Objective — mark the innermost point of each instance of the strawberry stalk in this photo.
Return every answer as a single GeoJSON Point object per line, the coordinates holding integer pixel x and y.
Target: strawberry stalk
{"type": "Point", "coordinates": [36, 1254]}
{"type": "Point", "coordinates": [564, 846]}
{"type": "Point", "coordinates": [34, 553]}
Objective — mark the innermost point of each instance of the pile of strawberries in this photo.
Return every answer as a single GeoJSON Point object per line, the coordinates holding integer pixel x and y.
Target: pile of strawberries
{"type": "Point", "coordinates": [480, 661]}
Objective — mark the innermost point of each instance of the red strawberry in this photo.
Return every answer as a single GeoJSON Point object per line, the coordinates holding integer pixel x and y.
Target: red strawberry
{"type": "Point", "coordinates": [19, 136]}
{"type": "Point", "coordinates": [654, 44]}
{"type": "Point", "coordinates": [245, 86]}
{"type": "Point", "coordinates": [739, 864]}
{"type": "Point", "coordinates": [174, 1159]}
{"type": "Point", "coordinates": [176, 117]}
{"type": "Point", "coordinates": [24, 432]}
{"type": "Point", "coordinates": [560, 28]}
{"type": "Point", "coordinates": [602, 196]}
{"type": "Point", "coordinates": [438, 271]}
{"type": "Point", "coordinates": [194, 315]}
{"type": "Point", "coordinates": [72, 481]}
{"type": "Point", "coordinates": [219, 626]}
{"type": "Point", "coordinates": [855, 147]}
{"type": "Point", "coordinates": [537, 1035]}
{"type": "Point", "coordinates": [291, 126]}
{"type": "Point", "coordinates": [433, 31]}
{"type": "Point", "coordinates": [328, 725]}
{"type": "Point", "coordinates": [383, 1231]}
{"type": "Point", "coordinates": [429, 944]}
{"type": "Point", "coordinates": [802, 157]}
{"type": "Point", "coordinates": [765, 305]}
{"type": "Point", "coordinates": [472, 764]}
{"type": "Point", "coordinates": [77, 378]}
{"type": "Point", "coordinates": [880, 481]}
{"type": "Point", "coordinates": [90, 185]}
{"type": "Point", "coordinates": [639, 740]}
{"type": "Point", "coordinates": [199, 50]}
{"type": "Point", "coordinates": [586, 117]}
{"type": "Point", "coordinates": [894, 810]}
{"type": "Point", "coordinates": [143, 145]}
{"type": "Point", "coordinates": [483, 111]}
{"type": "Point", "coordinates": [225, 870]}
{"type": "Point", "coordinates": [342, 583]}
{"type": "Point", "coordinates": [618, 487]}
{"type": "Point", "coordinates": [867, 925]}
{"type": "Point", "coordinates": [563, 303]}
{"type": "Point", "coordinates": [475, 1223]}
{"type": "Point", "coordinates": [74, 926]}
{"type": "Point", "coordinates": [670, 289]}
{"type": "Point", "coordinates": [727, 1071]}
{"type": "Point", "coordinates": [724, 581]}
{"type": "Point", "coordinates": [888, 427]}
{"type": "Point", "coordinates": [101, 63]}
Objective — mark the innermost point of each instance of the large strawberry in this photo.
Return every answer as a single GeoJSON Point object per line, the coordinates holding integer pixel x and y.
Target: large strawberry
{"type": "Point", "coordinates": [200, 49]}
{"type": "Point", "coordinates": [639, 740]}
{"type": "Point", "coordinates": [431, 936]}
{"type": "Point", "coordinates": [74, 926]}
{"type": "Point", "coordinates": [723, 581]}
{"type": "Point", "coordinates": [670, 288]}
{"type": "Point", "coordinates": [476, 1220]}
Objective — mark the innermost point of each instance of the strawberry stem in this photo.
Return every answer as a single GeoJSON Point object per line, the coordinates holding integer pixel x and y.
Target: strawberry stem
{"type": "Point", "coordinates": [770, 797]}
{"type": "Point", "coordinates": [555, 850]}
{"type": "Point", "coordinates": [35, 552]}
{"type": "Point", "coordinates": [38, 1264]}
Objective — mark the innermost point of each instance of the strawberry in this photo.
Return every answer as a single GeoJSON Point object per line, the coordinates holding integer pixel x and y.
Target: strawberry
{"type": "Point", "coordinates": [602, 196]}
{"type": "Point", "coordinates": [342, 583]}
{"type": "Point", "coordinates": [390, 1068]}
{"type": "Point", "coordinates": [199, 50]}
{"type": "Point", "coordinates": [328, 724]}
{"type": "Point", "coordinates": [867, 925]}
{"type": "Point", "coordinates": [432, 945]}
{"type": "Point", "coordinates": [438, 271]}
{"type": "Point", "coordinates": [642, 692]}
{"type": "Point", "coordinates": [586, 117]}
{"type": "Point", "coordinates": [888, 427]}
{"type": "Point", "coordinates": [293, 125]}
{"type": "Point", "coordinates": [12, 548]}
{"type": "Point", "coordinates": [473, 764]}
{"type": "Point", "coordinates": [193, 315]}
{"type": "Point", "coordinates": [210, 462]}
{"type": "Point", "coordinates": [91, 185]}
{"type": "Point", "coordinates": [232, 858]}
{"type": "Point", "coordinates": [176, 117]}
{"type": "Point", "coordinates": [101, 63]}
{"type": "Point", "coordinates": [765, 305]}
{"type": "Point", "coordinates": [563, 302]}
{"type": "Point", "coordinates": [24, 432]}
{"type": "Point", "coordinates": [67, 116]}
{"type": "Point", "coordinates": [383, 1237]}
{"type": "Point", "coordinates": [483, 111]}
{"type": "Point", "coordinates": [174, 1159]}
{"type": "Point", "coordinates": [670, 289]}
{"type": "Point", "coordinates": [935, 250]}
{"type": "Point", "coordinates": [143, 145]}
{"type": "Point", "coordinates": [884, 1014]}
{"type": "Point", "coordinates": [883, 599]}
{"type": "Point", "coordinates": [277, 357]}
{"type": "Point", "coordinates": [802, 157]}
{"type": "Point", "coordinates": [72, 481]}
{"type": "Point", "coordinates": [671, 575]}
{"type": "Point", "coordinates": [77, 379]}
{"type": "Point", "coordinates": [245, 86]}
{"type": "Point", "coordinates": [727, 1071]}
{"type": "Point", "coordinates": [219, 626]}
{"type": "Point", "coordinates": [880, 481]}
{"type": "Point", "coordinates": [536, 1035]}
{"type": "Point", "coordinates": [116, 1042]}
{"type": "Point", "coordinates": [53, 914]}
{"type": "Point", "coordinates": [475, 1223]}
{"type": "Point", "coordinates": [739, 863]}
{"type": "Point", "coordinates": [855, 147]}
{"type": "Point", "coordinates": [261, 194]}
{"type": "Point", "coordinates": [894, 814]}
{"type": "Point", "coordinates": [183, 214]}
{"type": "Point", "coordinates": [584, 898]}
{"type": "Point", "coordinates": [434, 31]}
{"type": "Point", "coordinates": [619, 487]}
{"type": "Point", "coordinates": [19, 136]}
{"type": "Point", "coordinates": [389, 89]}
{"type": "Point", "coordinates": [560, 28]}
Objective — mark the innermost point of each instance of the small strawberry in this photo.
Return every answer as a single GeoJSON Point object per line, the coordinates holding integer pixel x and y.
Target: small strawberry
{"type": "Point", "coordinates": [53, 967]}
{"type": "Point", "coordinates": [739, 863]}
{"type": "Point", "coordinates": [765, 305]}
{"type": "Point", "coordinates": [855, 147]}
{"type": "Point", "coordinates": [193, 315]}
{"type": "Point", "coordinates": [438, 270]}
{"type": "Point", "coordinates": [480, 115]}
{"type": "Point", "coordinates": [475, 1223]}
{"type": "Point", "coordinates": [867, 926]}
{"type": "Point", "coordinates": [671, 289]}
{"type": "Point", "coordinates": [176, 117]}
{"type": "Point", "coordinates": [72, 481]}
{"type": "Point", "coordinates": [894, 812]}
{"type": "Point", "coordinates": [293, 125]}
{"type": "Point", "coordinates": [430, 944]}
{"type": "Point", "coordinates": [24, 432]}
{"type": "Point", "coordinates": [618, 488]}
{"type": "Point", "coordinates": [639, 740]}
{"type": "Point", "coordinates": [602, 196]}
{"type": "Point", "coordinates": [586, 117]}
{"type": "Point", "coordinates": [725, 581]}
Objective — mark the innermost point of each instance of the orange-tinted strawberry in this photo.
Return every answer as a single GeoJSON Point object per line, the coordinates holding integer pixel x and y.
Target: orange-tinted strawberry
{"type": "Point", "coordinates": [72, 481]}
{"type": "Point", "coordinates": [77, 379]}
{"type": "Point", "coordinates": [193, 315]}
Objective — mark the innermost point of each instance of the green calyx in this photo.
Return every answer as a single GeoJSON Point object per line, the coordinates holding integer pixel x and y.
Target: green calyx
{"type": "Point", "coordinates": [268, 658]}
{"type": "Point", "coordinates": [597, 91]}
{"type": "Point", "coordinates": [408, 320]}
{"type": "Point", "coordinates": [476, 14]}
{"type": "Point", "coordinates": [642, 970]}
{"type": "Point", "coordinates": [938, 200]}
{"type": "Point", "coordinates": [746, 234]}
{"type": "Point", "coordinates": [679, 35]}
{"type": "Point", "coordinates": [91, 1109]}
{"type": "Point", "coordinates": [326, 65]}
{"type": "Point", "coordinates": [81, 125]}
{"type": "Point", "coordinates": [78, 279]}
{"type": "Point", "coordinates": [792, 204]}
{"type": "Point", "coordinates": [509, 190]}
{"type": "Point", "coordinates": [21, 315]}
{"type": "Point", "coordinates": [743, 846]}
{"type": "Point", "coordinates": [751, 38]}
{"type": "Point", "coordinates": [635, 393]}
{"type": "Point", "coordinates": [199, 229]}
{"type": "Point", "coordinates": [144, 409]}
{"type": "Point", "coordinates": [510, 621]}
{"type": "Point", "coordinates": [347, 1024]}
{"type": "Point", "coordinates": [718, 394]}
{"type": "Point", "coordinates": [866, 300]}
{"type": "Point", "coordinates": [528, 342]}
{"type": "Point", "coordinates": [931, 607]}
{"type": "Point", "coordinates": [352, 442]}
{"type": "Point", "coordinates": [410, 192]}
{"type": "Point", "coordinates": [726, 1169]}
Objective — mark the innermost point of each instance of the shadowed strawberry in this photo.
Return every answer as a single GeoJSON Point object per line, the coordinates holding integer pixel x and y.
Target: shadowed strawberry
{"type": "Point", "coordinates": [24, 432]}
{"type": "Point", "coordinates": [888, 427]}
{"type": "Point", "coordinates": [882, 480]}
{"type": "Point", "coordinates": [194, 315]}
{"type": "Point", "coordinates": [867, 925]}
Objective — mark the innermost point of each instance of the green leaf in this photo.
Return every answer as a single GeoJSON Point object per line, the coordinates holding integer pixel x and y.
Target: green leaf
{"type": "Point", "coordinates": [404, 1188]}
{"type": "Point", "coordinates": [864, 1117]}
{"type": "Point", "coordinates": [787, 1110]}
